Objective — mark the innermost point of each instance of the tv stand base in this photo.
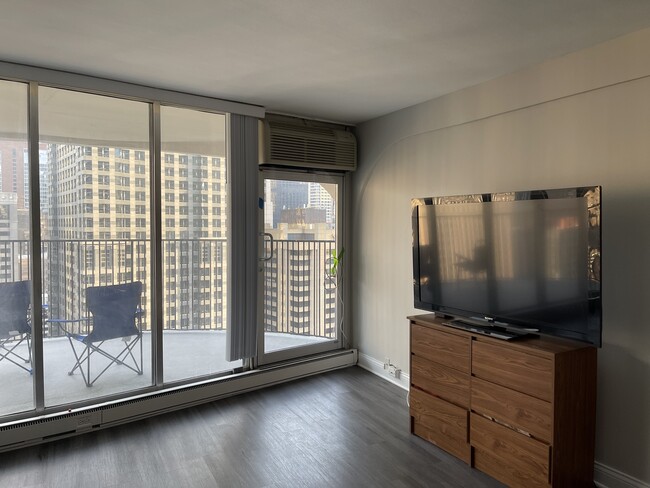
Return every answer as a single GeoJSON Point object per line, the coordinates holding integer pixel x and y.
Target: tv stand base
{"type": "Point", "coordinates": [522, 411]}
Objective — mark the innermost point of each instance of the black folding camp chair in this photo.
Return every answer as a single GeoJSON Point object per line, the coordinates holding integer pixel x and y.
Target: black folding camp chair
{"type": "Point", "coordinates": [15, 328]}
{"type": "Point", "coordinates": [115, 314]}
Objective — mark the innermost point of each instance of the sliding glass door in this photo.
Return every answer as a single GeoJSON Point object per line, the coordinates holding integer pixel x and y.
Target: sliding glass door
{"type": "Point", "coordinates": [302, 264]}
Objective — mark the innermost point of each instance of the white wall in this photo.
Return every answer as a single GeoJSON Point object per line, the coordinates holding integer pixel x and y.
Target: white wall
{"type": "Point", "coordinates": [578, 120]}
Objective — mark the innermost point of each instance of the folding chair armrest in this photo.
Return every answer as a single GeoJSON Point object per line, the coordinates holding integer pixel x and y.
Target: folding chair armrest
{"type": "Point", "coordinates": [64, 321]}
{"type": "Point", "coordinates": [61, 323]}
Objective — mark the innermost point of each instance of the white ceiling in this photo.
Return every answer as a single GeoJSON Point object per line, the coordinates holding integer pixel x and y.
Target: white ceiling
{"type": "Point", "coordinates": [342, 60]}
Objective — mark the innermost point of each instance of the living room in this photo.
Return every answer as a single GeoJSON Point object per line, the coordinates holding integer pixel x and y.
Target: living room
{"type": "Point", "coordinates": [574, 115]}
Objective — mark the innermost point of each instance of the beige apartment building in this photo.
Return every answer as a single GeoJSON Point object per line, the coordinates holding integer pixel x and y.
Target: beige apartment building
{"type": "Point", "coordinates": [96, 230]}
{"type": "Point", "coordinates": [99, 230]}
{"type": "Point", "coordinates": [299, 292]}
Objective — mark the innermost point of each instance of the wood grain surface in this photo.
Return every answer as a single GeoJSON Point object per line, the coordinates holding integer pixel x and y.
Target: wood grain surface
{"type": "Point", "coordinates": [447, 349]}
{"type": "Point", "coordinates": [446, 383]}
{"type": "Point", "coordinates": [347, 428]}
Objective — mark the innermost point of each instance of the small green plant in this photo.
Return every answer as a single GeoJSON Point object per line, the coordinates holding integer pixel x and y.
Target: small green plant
{"type": "Point", "coordinates": [335, 276]}
{"type": "Point", "coordinates": [335, 260]}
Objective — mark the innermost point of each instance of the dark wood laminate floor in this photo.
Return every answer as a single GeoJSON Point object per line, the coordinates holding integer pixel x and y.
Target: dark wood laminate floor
{"type": "Point", "coordinates": [347, 428]}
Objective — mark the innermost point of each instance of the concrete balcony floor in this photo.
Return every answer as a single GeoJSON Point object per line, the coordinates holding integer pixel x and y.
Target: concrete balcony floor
{"type": "Point", "coordinates": [187, 354]}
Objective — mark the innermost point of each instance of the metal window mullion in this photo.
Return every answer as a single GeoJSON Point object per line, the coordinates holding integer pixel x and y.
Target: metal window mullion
{"type": "Point", "coordinates": [343, 238]}
{"type": "Point", "coordinates": [190, 277]}
{"type": "Point", "coordinates": [36, 263]}
{"type": "Point", "coordinates": [156, 247]}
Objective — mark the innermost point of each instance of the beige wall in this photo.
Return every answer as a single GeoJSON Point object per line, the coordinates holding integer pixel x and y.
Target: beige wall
{"type": "Point", "coordinates": [581, 119]}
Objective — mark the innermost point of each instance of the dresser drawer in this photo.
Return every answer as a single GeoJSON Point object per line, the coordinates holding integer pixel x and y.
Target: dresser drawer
{"type": "Point", "coordinates": [440, 423]}
{"type": "Point", "coordinates": [447, 383]}
{"type": "Point", "coordinates": [446, 349]}
{"type": "Point", "coordinates": [508, 456]}
{"type": "Point", "coordinates": [516, 409]}
{"type": "Point", "coordinates": [514, 369]}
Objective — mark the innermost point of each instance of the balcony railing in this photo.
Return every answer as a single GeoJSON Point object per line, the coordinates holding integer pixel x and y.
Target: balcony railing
{"type": "Point", "coordinates": [299, 297]}
{"type": "Point", "coordinates": [299, 294]}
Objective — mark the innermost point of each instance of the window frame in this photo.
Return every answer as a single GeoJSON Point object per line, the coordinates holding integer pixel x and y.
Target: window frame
{"type": "Point", "coordinates": [34, 79]}
{"type": "Point", "coordinates": [312, 176]}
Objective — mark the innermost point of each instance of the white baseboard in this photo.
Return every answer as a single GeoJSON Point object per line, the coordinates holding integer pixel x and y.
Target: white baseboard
{"type": "Point", "coordinates": [376, 366]}
{"type": "Point", "coordinates": [36, 430]}
{"type": "Point", "coordinates": [608, 477]}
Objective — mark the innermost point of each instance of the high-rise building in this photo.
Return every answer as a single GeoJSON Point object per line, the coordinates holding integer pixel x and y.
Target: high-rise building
{"type": "Point", "coordinates": [14, 212]}
{"type": "Point", "coordinates": [99, 230]}
{"type": "Point", "coordinates": [287, 195]}
{"type": "Point", "coordinates": [320, 197]}
{"type": "Point", "coordinates": [14, 173]}
{"type": "Point", "coordinates": [194, 213]}
{"type": "Point", "coordinates": [10, 250]}
{"type": "Point", "coordinates": [299, 295]}
{"type": "Point", "coordinates": [96, 230]}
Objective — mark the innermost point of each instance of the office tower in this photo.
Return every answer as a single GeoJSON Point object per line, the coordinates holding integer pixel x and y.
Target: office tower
{"type": "Point", "coordinates": [287, 195]}
{"type": "Point", "coordinates": [319, 197]}
{"type": "Point", "coordinates": [14, 210]}
{"type": "Point", "coordinates": [10, 250]}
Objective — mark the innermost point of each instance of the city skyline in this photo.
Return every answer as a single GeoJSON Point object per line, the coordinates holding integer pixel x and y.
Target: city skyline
{"type": "Point", "coordinates": [99, 197]}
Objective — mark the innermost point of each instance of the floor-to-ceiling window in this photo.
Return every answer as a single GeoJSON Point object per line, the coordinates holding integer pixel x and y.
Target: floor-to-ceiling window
{"type": "Point", "coordinates": [15, 252]}
{"type": "Point", "coordinates": [195, 213]}
{"type": "Point", "coordinates": [95, 231]}
{"type": "Point", "coordinates": [102, 185]}
{"type": "Point", "coordinates": [119, 221]}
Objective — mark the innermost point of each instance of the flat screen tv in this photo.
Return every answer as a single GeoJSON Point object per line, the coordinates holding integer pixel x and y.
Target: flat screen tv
{"type": "Point", "coordinates": [512, 261]}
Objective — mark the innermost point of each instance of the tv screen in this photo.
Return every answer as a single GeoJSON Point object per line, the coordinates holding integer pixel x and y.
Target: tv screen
{"type": "Point", "coordinates": [529, 259]}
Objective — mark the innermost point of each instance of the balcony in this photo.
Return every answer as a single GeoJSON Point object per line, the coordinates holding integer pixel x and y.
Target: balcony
{"type": "Point", "coordinates": [299, 308]}
{"type": "Point", "coordinates": [194, 279]}
{"type": "Point", "coordinates": [207, 348]}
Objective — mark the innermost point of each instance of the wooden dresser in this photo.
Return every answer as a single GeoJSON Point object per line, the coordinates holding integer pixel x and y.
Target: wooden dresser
{"type": "Point", "coordinates": [522, 411]}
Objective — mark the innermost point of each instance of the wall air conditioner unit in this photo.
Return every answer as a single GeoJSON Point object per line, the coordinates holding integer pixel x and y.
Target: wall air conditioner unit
{"type": "Point", "coordinates": [299, 143]}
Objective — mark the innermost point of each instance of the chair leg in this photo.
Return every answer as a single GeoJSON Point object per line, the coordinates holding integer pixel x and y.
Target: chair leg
{"type": "Point", "coordinates": [89, 352]}
{"type": "Point", "coordinates": [10, 353]}
{"type": "Point", "coordinates": [128, 351]}
{"type": "Point", "coordinates": [29, 350]}
{"type": "Point", "coordinates": [90, 349]}
{"type": "Point", "coordinates": [141, 361]}
{"type": "Point", "coordinates": [80, 358]}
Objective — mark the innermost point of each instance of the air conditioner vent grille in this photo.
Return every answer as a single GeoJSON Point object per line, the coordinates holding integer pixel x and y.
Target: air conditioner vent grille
{"type": "Point", "coordinates": [307, 146]}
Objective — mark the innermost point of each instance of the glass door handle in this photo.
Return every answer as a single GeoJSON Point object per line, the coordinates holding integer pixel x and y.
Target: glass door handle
{"type": "Point", "coordinates": [267, 238]}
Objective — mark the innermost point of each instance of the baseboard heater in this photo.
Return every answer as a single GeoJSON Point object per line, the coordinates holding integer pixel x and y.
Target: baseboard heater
{"type": "Point", "coordinates": [33, 431]}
